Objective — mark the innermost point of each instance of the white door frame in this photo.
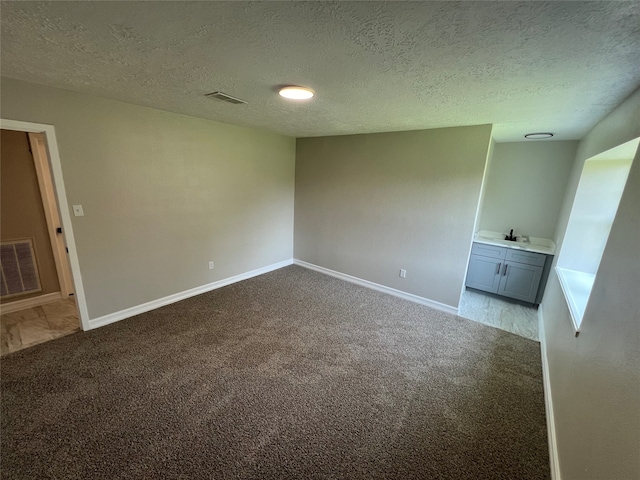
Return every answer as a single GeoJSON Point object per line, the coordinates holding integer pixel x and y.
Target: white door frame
{"type": "Point", "coordinates": [61, 195]}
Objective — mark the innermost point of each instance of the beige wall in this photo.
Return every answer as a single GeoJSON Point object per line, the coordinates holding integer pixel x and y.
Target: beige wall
{"type": "Point", "coordinates": [369, 205]}
{"type": "Point", "coordinates": [595, 378]}
{"type": "Point", "coordinates": [483, 190]}
{"type": "Point", "coordinates": [162, 193]}
{"type": "Point", "coordinates": [22, 213]}
{"type": "Point", "coordinates": [526, 183]}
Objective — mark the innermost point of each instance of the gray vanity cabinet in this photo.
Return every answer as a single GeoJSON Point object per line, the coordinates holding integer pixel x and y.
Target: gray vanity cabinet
{"type": "Point", "coordinates": [505, 271]}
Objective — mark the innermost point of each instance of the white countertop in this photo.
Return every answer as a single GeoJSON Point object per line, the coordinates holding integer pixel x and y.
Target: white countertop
{"type": "Point", "coordinates": [535, 244]}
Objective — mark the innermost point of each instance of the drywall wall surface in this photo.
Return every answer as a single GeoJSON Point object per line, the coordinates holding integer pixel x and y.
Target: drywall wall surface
{"type": "Point", "coordinates": [370, 205]}
{"type": "Point", "coordinates": [595, 378]}
{"type": "Point", "coordinates": [163, 194]}
{"type": "Point", "coordinates": [525, 187]}
{"type": "Point", "coordinates": [483, 190]}
{"type": "Point", "coordinates": [22, 214]}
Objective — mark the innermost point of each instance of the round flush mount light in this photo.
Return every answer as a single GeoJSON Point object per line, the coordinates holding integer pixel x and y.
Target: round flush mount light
{"type": "Point", "coordinates": [293, 92]}
{"type": "Point", "coordinates": [538, 136]}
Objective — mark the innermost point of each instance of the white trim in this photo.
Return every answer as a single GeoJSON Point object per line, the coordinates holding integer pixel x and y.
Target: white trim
{"type": "Point", "coordinates": [176, 297]}
{"type": "Point", "coordinates": [551, 424]}
{"type": "Point", "coordinates": [61, 195]}
{"type": "Point", "coordinates": [30, 302]}
{"type": "Point", "coordinates": [576, 287]}
{"type": "Point", "coordinates": [380, 288]}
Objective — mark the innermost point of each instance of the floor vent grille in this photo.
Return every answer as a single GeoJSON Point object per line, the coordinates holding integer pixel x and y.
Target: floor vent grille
{"type": "Point", "coordinates": [18, 268]}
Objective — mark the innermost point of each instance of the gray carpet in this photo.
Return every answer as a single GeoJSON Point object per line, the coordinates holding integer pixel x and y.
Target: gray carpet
{"type": "Point", "coordinates": [292, 374]}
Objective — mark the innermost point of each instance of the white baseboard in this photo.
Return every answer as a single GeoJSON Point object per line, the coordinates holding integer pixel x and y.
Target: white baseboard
{"type": "Point", "coordinates": [176, 297]}
{"type": "Point", "coordinates": [380, 288]}
{"type": "Point", "coordinates": [30, 302]}
{"type": "Point", "coordinates": [551, 424]}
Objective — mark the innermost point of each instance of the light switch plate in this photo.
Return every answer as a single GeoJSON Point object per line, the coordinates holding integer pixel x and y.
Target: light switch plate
{"type": "Point", "coordinates": [77, 211]}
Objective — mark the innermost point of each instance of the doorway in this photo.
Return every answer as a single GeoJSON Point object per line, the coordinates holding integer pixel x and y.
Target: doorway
{"type": "Point", "coordinates": [39, 300]}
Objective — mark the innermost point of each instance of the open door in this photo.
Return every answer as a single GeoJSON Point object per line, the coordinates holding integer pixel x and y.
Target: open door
{"type": "Point", "coordinates": [58, 229]}
{"type": "Point", "coordinates": [52, 215]}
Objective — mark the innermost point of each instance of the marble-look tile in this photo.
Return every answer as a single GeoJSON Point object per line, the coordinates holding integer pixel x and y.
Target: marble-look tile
{"type": "Point", "coordinates": [21, 315]}
{"type": "Point", "coordinates": [32, 326]}
{"type": "Point", "coordinates": [523, 319]}
{"type": "Point", "coordinates": [473, 305]}
{"type": "Point", "coordinates": [34, 331]}
{"type": "Point", "coordinates": [60, 309]}
{"type": "Point", "coordinates": [509, 316]}
{"type": "Point", "coordinates": [11, 341]}
{"type": "Point", "coordinates": [4, 343]}
{"type": "Point", "coordinates": [64, 324]}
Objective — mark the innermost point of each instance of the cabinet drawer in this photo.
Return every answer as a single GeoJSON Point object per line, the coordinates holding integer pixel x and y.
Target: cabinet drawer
{"type": "Point", "coordinates": [529, 258]}
{"type": "Point", "coordinates": [488, 250]}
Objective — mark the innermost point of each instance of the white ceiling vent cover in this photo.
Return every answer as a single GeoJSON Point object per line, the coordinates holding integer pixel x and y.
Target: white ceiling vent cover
{"type": "Point", "coordinates": [225, 98]}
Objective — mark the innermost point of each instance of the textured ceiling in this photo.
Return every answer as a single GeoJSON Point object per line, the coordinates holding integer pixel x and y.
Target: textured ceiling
{"type": "Point", "coordinates": [376, 66]}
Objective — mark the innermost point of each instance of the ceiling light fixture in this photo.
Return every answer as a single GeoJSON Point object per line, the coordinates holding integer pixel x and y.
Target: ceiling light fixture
{"type": "Point", "coordinates": [296, 93]}
{"type": "Point", "coordinates": [538, 136]}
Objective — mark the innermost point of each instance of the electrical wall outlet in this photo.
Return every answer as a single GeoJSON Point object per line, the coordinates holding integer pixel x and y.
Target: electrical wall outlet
{"type": "Point", "coordinates": [78, 211]}
{"type": "Point", "coordinates": [403, 273]}
{"type": "Point", "coordinates": [210, 265]}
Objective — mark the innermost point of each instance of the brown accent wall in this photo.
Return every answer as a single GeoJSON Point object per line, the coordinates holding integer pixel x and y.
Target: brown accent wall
{"type": "Point", "coordinates": [21, 211]}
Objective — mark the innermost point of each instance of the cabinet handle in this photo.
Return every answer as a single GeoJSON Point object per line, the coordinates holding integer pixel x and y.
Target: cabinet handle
{"type": "Point", "coordinates": [498, 269]}
{"type": "Point", "coordinates": [504, 272]}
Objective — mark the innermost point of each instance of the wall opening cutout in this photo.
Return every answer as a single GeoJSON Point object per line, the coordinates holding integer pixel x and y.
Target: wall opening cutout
{"type": "Point", "coordinates": [594, 208]}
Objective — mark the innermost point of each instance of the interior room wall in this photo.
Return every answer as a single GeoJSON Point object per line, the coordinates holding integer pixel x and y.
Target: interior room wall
{"type": "Point", "coordinates": [21, 211]}
{"type": "Point", "coordinates": [483, 188]}
{"type": "Point", "coordinates": [370, 205]}
{"type": "Point", "coordinates": [163, 194]}
{"type": "Point", "coordinates": [525, 187]}
{"type": "Point", "coordinates": [595, 377]}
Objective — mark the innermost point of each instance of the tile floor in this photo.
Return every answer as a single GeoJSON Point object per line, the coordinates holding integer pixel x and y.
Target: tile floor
{"type": "Point", "coordinates": [512, 317]}
{"type": "Point", "coordinates": [32, 326]}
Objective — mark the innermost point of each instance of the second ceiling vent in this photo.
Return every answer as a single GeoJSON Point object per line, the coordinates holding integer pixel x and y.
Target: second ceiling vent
{"type": "Point", "coordinates": [225, 98]}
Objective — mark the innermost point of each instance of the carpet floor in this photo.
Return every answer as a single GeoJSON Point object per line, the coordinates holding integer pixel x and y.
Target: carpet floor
{"type": "Point", "coordinates": [289, 375]}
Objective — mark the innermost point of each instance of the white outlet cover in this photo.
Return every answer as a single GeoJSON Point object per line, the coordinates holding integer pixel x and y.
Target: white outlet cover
{"type": "Point", "coordinates": [77, 211]}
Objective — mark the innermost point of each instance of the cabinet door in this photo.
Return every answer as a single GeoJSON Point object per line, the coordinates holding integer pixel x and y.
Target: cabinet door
{"type": "Point", "coordinates": [519, 281]}
{"type": "Point", "coordinates": [484, 273]}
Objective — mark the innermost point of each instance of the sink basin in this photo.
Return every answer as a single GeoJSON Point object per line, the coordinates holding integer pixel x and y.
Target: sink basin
{"type": "Point", "coordinates": [532, 244]}
{"type": "Point", "coordinates": [515, 243]}
{"type": "Point", "coordinates": [501, 241]}
{"type": "Point", "coordinates": [518, 245]}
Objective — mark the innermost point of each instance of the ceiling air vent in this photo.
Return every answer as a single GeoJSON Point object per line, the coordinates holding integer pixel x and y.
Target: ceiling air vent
{"type": "Point", "coordinates": [225, 98]}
